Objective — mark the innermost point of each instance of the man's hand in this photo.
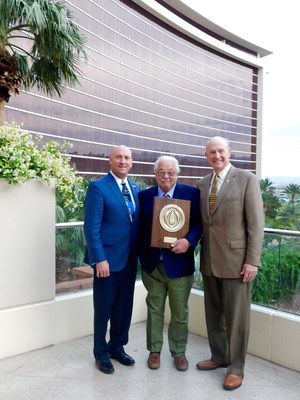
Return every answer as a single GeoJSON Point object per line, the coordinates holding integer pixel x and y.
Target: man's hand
{"type": "Point", "coordinates": [180, 246]}
{"type": "Point", "coordinates": [249, 272]}
{"type": "Point", "coordinates": [102, 269]}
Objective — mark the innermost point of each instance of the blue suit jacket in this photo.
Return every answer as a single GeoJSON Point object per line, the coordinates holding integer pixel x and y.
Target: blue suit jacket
{"type": "Point", "coordinates": [176, 265]}
{"type": "Point", "coordinates": [109, 233]}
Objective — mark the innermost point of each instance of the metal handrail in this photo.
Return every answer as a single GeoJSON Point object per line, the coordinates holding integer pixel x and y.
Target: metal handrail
{"type": "Point", "coordinates": [283, 232]}
{"type": "Point", "coordinates": [62, 225]}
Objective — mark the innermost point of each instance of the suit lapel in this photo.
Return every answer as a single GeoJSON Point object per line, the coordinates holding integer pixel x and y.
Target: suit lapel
{"type": "Point", "coordinates": [177, 191]}
{"type": "Point", "coordinates": [226, 187]}
{"type": "Point", "coordinates": [134, 192]}
{"type": "Point", "coordinates": [113, 186]}
{"type": "Point", "coordinates": [205, 192]}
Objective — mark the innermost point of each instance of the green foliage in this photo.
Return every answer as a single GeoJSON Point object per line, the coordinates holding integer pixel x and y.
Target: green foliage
{"type": "Point", "coordinates": [142, 182]}
{"type": "Point", "coordinates": [293, 191]}
{"type": "Point", "coordinates": [70, 242]}
{"type": "Point", "coordinates": [289, 216]}
{"type": "Point", "coordinates": [198, 282]}
{"type": "Point", "coordinates": [76, 214]}
{"type": "Point", "coordinates": [266, 186]}
{"type": "Point", "coordinates": [22, 159]}
{"type": "Point", "coordinates": [281, 214]}
{"type": "Point", "coordinates": [40, 46]}
{"type": "Point", "coordinates": [270, 201]}
{"type": "Point", "coordinates": [278, 276]}
{"type": "Point", "coordinates": [272, 205]}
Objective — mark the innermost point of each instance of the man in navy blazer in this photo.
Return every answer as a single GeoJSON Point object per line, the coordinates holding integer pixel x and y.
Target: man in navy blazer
{"type": "Point", "coordinates": [111, 234]}
{"type": "Point", "coordinates": [168, 272]}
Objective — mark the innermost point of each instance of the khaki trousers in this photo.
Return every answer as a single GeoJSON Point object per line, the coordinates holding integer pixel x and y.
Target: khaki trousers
{"type": "Point", "coordinates": [227, 312]}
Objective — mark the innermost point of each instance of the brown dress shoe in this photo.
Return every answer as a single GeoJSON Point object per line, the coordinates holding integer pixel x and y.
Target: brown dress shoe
{"type": "Point", "coordinates": [209, 365]}
{"type": "Point", "coordinates": [181, 363]}
{"type": "Point", "coordinates": [154, 361]}
{"type": "Point", "coordinates": [232, 382]}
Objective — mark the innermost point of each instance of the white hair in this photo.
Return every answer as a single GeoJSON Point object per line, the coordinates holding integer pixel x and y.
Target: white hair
{"type": "Point", "coordinates": [167, 158]}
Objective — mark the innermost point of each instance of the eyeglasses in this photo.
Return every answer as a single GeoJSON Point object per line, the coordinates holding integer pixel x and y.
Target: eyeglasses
{"type": "Point", "coordinates": [162, 172]}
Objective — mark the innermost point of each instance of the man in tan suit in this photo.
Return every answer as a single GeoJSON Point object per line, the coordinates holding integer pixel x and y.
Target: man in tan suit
{"type": "Point", "coordinates": [233, 222]}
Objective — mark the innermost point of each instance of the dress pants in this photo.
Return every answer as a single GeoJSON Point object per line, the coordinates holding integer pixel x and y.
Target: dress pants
{"type": "Point", "coordinates": [159, 286]}
{"type": "Point", "coordinates": [227, 312]}
{"type": "Point", "coordinates": [113, 301]}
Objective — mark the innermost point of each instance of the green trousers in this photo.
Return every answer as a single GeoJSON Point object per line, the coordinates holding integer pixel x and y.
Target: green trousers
{"type": "Point", "coordinates": [159, 286]}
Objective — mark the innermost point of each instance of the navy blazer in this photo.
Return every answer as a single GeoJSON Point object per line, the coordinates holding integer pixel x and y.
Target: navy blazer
{"type": "Point", "coordinates": [109, 233]}
{"type": "Point", "coordinates": [176, 265]}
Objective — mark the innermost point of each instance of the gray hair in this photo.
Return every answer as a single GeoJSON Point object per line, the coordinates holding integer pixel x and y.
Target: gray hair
{"type": "Point", "coordinates": [167, 158]}
{"type": "Point", "coordinates": [218, 138]}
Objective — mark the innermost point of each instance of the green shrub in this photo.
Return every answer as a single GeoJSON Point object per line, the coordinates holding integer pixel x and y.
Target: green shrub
{"type": "Point", "coordinates": [277, 277]}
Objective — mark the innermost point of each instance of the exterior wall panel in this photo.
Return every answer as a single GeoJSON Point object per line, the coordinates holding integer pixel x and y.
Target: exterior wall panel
{"type": "Point", "coordinates": [149, 87]}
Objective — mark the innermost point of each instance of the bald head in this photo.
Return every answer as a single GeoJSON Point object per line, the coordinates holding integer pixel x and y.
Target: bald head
{"type": "Point", "coordinates": [120, 161]}
{"type": "Point", "coordinates": [218, 140]}
{"type": "Point", "coordinates": [218, 153]}
{"type": "Point", "coordinates": [121, 149]}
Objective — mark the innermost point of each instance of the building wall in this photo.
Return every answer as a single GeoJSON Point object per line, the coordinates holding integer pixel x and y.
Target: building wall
{"type": "Point", "coordinates": [151, 87]}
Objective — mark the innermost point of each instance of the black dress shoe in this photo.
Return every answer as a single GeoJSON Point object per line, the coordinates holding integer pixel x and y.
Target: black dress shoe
{"type": "Point", "coordinates": [123, 358]}
{"type": "Point", "coordinates": [105, 366]}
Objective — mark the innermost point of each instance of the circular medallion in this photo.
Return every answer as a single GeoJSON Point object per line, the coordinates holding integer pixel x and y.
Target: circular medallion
{"type": "Point", "coordinates": [171, 218]}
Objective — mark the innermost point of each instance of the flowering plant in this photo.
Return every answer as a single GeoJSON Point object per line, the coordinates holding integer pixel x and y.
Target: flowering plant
{"type": "Point", "coordinates": [21, 159]}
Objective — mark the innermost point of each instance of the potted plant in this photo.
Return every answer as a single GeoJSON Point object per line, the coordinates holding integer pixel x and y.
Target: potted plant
{"type": "Point", "coordinates": [22, 157]}
{"type": "Point", "coordinates": [30, 173]}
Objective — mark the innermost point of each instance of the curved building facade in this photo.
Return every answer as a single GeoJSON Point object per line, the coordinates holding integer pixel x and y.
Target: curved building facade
{"type": "Point", "coordinates": [159, 79]}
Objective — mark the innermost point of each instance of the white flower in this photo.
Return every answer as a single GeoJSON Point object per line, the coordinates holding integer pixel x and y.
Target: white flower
{"type": "Point", "coordinates": [21, 159]}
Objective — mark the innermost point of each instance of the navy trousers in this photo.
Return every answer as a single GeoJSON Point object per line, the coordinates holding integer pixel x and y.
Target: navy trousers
{"type": "Point", "coordinates": [113, 302]}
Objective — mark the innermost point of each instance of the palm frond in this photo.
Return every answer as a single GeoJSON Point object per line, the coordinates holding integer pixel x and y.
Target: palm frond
{"type": "Point", "coordinates": [45, 42]}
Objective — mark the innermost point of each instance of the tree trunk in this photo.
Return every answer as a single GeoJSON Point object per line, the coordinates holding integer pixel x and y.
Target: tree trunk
{"type": "Point", "coordinates": [2, 111]}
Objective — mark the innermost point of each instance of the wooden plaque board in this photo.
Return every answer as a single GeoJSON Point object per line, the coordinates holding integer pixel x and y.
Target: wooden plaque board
{"type": "Point", "coordinates": [170, 221]}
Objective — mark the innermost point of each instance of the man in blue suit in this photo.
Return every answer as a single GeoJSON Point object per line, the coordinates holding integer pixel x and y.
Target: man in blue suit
{"type": "Point", "coordinates": [168, 272]}
{"type": "Point", "coordinates": [111, 229]}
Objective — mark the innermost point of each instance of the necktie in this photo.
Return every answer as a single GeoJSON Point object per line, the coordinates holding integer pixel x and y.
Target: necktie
{"type": "Point", "coordinates": [166, 196]}
{"type": "Point", "coordinates": [128, 200]}
{"type": "Point", "coordinates": [213, 193]}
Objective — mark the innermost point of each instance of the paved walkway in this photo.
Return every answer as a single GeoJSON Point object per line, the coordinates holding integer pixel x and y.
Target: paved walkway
{"type": "Point", "coordinates": [67, 372]}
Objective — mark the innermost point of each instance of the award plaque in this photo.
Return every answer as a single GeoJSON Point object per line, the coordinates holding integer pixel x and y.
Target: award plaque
{"type": "Point", "coordinates": [170, 221]}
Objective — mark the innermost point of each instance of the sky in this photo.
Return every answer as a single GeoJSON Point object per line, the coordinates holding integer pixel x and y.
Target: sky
{"type": "Point", "coordinates": [273, 25]}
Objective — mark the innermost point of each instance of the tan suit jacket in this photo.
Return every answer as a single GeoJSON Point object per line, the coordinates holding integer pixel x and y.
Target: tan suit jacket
{"type": "Point", "coordinates": [233, 233]}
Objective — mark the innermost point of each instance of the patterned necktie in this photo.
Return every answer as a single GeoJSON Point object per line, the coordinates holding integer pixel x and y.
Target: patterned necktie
{"type": "Point", "coordinates": [213, 193]}
{"type": "Point", "coordinates": [166, 196]}
{"type": "Point", "coordinates": [128, 200]}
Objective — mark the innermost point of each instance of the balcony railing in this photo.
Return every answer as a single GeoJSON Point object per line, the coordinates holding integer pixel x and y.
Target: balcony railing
{"type": "Point", "coordinates": [277, 284]}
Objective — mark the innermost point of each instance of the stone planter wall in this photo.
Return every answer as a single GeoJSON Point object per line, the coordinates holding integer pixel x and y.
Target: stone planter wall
{"type": "Point", "coordinates": [27, 243]}
{"type": "Point", "coordinates": [27, 262]}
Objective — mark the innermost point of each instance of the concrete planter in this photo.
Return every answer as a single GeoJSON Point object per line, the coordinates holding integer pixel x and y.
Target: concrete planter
{"type": "Point", "coordinates": [27, 243]}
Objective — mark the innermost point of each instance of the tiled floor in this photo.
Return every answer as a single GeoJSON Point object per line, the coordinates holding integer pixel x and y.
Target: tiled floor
{"type": "Point", "coordinates": [67, 371]}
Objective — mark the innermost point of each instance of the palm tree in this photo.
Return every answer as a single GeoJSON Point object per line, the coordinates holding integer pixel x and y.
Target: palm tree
{"type": "Point", "coordinates": [292, 190]}
{"type": "Point", "coordinates": [270, 201]}
{"type": "Point", "coordinates": [289, 216]}
{"type": "Point", "coordinates": [266, 186]}
{"type": "Point", "coordinates": [39, 46]}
